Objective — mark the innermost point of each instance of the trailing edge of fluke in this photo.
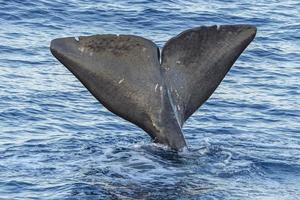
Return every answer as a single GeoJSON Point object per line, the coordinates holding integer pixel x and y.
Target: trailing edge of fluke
{"type": "Point", "coordinates": [125, 74]}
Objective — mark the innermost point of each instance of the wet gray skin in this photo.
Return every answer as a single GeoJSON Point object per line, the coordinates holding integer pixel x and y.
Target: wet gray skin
{"type": "Point", "coordinates": [125, 74]}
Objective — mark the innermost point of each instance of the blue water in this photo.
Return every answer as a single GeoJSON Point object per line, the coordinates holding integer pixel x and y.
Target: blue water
{"type": "Point", "coordinates": [58, 142]}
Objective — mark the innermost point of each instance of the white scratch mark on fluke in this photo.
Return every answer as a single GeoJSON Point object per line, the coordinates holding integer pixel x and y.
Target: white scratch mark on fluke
{"type": "Point", "coordinates": [120, 81]}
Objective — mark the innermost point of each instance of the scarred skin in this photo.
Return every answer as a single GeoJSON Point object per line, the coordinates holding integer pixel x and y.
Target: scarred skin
{"type": "Point", "coordinates": [124, 73]}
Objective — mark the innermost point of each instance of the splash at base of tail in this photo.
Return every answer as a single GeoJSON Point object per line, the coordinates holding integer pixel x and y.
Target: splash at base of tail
{"type": "Point", "coordinates": [125, 74]}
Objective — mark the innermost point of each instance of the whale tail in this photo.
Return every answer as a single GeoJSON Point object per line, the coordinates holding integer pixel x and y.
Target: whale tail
{"type": "Point", "coordinates": [124, 73]}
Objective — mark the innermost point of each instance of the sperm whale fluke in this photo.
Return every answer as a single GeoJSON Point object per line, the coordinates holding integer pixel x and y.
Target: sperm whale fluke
{"type": "Point", "coordinates": [125, 74]}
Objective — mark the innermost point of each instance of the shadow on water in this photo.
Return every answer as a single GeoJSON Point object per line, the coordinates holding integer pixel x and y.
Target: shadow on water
{"type": "Point", "coordinates": [149, 172]}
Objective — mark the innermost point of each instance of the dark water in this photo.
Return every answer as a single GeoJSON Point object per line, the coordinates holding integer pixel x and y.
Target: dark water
{"type": "Point", "coordinates": [58, 142]}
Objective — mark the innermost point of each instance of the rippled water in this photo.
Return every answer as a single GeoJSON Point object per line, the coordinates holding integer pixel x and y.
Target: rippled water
{"type": "Point", "coordinates": [58, 142]}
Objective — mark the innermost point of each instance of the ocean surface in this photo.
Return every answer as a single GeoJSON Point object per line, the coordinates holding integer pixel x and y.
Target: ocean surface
{"type": "Point", "coordinates": [58, 142]}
